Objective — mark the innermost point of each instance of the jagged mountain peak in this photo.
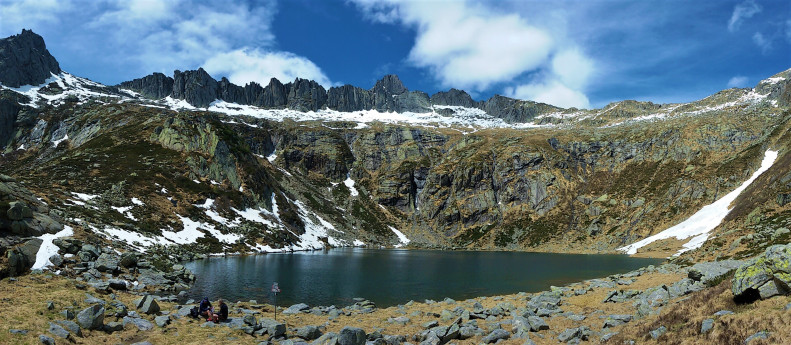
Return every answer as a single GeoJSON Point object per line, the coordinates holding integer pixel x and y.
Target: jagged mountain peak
{"type": "Point", "coordinates": [25, 60]}
{"type": "Point", "coordinates": [390, 84]}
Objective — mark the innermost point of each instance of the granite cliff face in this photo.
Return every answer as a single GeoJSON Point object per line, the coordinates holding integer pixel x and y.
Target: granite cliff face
{"type": "Point", "coordinates": [586, 181]}
{"type": "Point", "coordinates": [25, 60]}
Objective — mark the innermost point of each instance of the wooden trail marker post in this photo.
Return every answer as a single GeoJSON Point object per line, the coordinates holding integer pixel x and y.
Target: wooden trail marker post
{"type": "Point", "coordinates": [275, 290]}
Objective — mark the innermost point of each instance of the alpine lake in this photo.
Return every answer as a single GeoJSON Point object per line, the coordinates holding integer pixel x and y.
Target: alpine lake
{"type": "Point", "coordinates": [389, 277]}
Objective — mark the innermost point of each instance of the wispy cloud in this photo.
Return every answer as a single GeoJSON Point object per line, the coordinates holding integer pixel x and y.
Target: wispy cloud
{"type": "Point", "coordinates": [568, 73]}
{"type": "Point", "coordinates": [473, 46]}
{"type": "Point", "coordinates": [762, 42]}
{"type": "Point", "coordinates": [742, 11]}
{"type": "Point", "coordinates": [738, 81]}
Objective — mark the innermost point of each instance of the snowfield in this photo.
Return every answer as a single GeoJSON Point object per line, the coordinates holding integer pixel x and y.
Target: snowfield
{"type": "Point", "coordinates": [709, 217]}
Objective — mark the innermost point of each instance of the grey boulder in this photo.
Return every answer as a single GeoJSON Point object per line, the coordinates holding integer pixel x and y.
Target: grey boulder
{"type": "Point", "coordinates": [351, 336]}
{"type": "Point", "coordinates": [91, 318]}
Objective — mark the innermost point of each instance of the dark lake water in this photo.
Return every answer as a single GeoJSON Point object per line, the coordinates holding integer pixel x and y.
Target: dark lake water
{"type": "Point", "coordinates": [389, 277]}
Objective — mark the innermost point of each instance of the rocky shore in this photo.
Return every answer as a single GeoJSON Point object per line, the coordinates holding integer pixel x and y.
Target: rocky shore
{"type": "Point", "coordinates": [623, 308]}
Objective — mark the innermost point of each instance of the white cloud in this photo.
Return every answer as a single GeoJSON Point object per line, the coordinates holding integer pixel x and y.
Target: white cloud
{"type": "Point", "coordinates": [762, 42]}
{"type": "Point", "coordinates": [738, 81]}
{"type": "Point", "coordinates": [560, 85]}
{"type": "Point", "coordinates": [180, 34]}
{"type": "Point", "coordinates": [245, 65]}
{"type": "Point", "coordinates": [471, 46]}
{"type": "Point", "coordinates": [550, 92]}
{"type": "Point", "coordinates": [741, 12]}
{"type": "Point", "coordinates": [28, 14]}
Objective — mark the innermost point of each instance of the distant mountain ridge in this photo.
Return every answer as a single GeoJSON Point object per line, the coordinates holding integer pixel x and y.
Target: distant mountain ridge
{"type": "Point", "coordinates": [389, 94]}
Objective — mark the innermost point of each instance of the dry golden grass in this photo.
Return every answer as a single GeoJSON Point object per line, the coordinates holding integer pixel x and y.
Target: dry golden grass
{"type": "Point", "coordinates": [683, 320]}
{"type": "Point", "coordinates": [661, 249]}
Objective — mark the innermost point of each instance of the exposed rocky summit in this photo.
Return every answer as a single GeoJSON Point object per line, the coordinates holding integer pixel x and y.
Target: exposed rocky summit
{"type": "Point", "coordinates": [25, 60]}
{"type": "Point", "coordinates": [154, 86]}
{"type": "Point", "coordinates": [196, 87]}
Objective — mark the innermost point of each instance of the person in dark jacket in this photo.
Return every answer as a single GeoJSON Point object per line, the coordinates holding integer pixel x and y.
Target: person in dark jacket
{"type": "Point", "coordinates": [206, 309]}
{"type": "Point", "coordinates": [223, 314]}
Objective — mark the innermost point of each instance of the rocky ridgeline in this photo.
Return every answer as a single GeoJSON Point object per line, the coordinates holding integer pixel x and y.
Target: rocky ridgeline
{"type": "Point", "coordinates": [389, 94]}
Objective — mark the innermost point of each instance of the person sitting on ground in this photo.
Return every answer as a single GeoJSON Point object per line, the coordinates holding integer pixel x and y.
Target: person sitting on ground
{"type": "Point", "coordinates": [206, 309]}
{"type": "Point", "coordinates": [223, 314]}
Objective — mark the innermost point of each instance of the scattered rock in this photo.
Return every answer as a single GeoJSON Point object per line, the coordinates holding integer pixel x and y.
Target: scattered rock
{"type": "Point", "coordinates": [706, 272]}
{"type": "Point", "coordinates": [273, 328]}
{"type": "Point", "coordinates": [59, 331]}
{"type": "Point", "coordinates": [706, 326]}
{"type": "Point", "coordinates": [326, 339]}
{"type": "Point", "coordinates": [430, 324]}
{"type": "Point", "coordinates": [93, 300]}
{"type": "Point", "coordinates": [655, 334]}
{"type": "Point", "coordinates": [723, 313]}
{"type": "Point", "coordinates": [56, 260]}
{"type": "Point", "coordinates": [141, 324]}
{"type": "Point", "coordinates": [18, 331]}
{"type": "Point", "coordinates": [401, 320]}
{"type": "Point", "coordinates": [617, 320]}
{"type": "Point", "coordinates": [46, 340]}
{"type": "Point", "coordinates": [537, 323]}
{"type": "Point", "coordinates": [607, 336]}
{"type": "Point", "coordinates": [351, 336]}
{"type": "Point", "coordinates": [496, 335]}
{"type": "Point", "coordinates": [756, 336]}
{"type": "Point", "coordinates": [148, 304]}
{"type": "Point", "coordinates": [162, 321]}
{"type": "Point", "coordinates": [308, 332]}
{"type": "Point", "coordinates": [296, 309]}
{"type": "Point", "coordinates": [113, 326]}
{"type": "Point", "coordinates": [91, 318]}
{"type": "Point", "coordinates": [569, 334]}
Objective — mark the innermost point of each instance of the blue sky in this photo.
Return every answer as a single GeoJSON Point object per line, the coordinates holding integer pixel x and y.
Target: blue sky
{"type": "Point", "coordinates": [567, 53]}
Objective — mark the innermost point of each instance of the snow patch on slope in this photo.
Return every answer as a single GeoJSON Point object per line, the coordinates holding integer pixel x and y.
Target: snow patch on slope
{"type": "Point", "coordinates": [401, 237]}
{"type": "Point", "coordinates": [48, 248]}
{"type": "Point", "coordinates": [350, 184]}
{"type": "Point", "coordinates": [709, 217]}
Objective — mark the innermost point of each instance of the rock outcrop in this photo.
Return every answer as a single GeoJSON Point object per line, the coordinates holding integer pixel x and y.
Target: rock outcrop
{"type": "Point", "coordinates": [514, 110]}
{"type": "Point", "coordinates": [196, 87]}
{"type": "Point", "coordinates": [306, 95]}
{"type": "Point", "coordinates": [25, 60]}
{"type": "Point", "coordinates": [154, 86]}
{"type": "Point", "coordinates": [453, 97]}
{"type": "Point", "coordinates": [764, 276]}
{"type": "Point", "coordinates": [21, 213]}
